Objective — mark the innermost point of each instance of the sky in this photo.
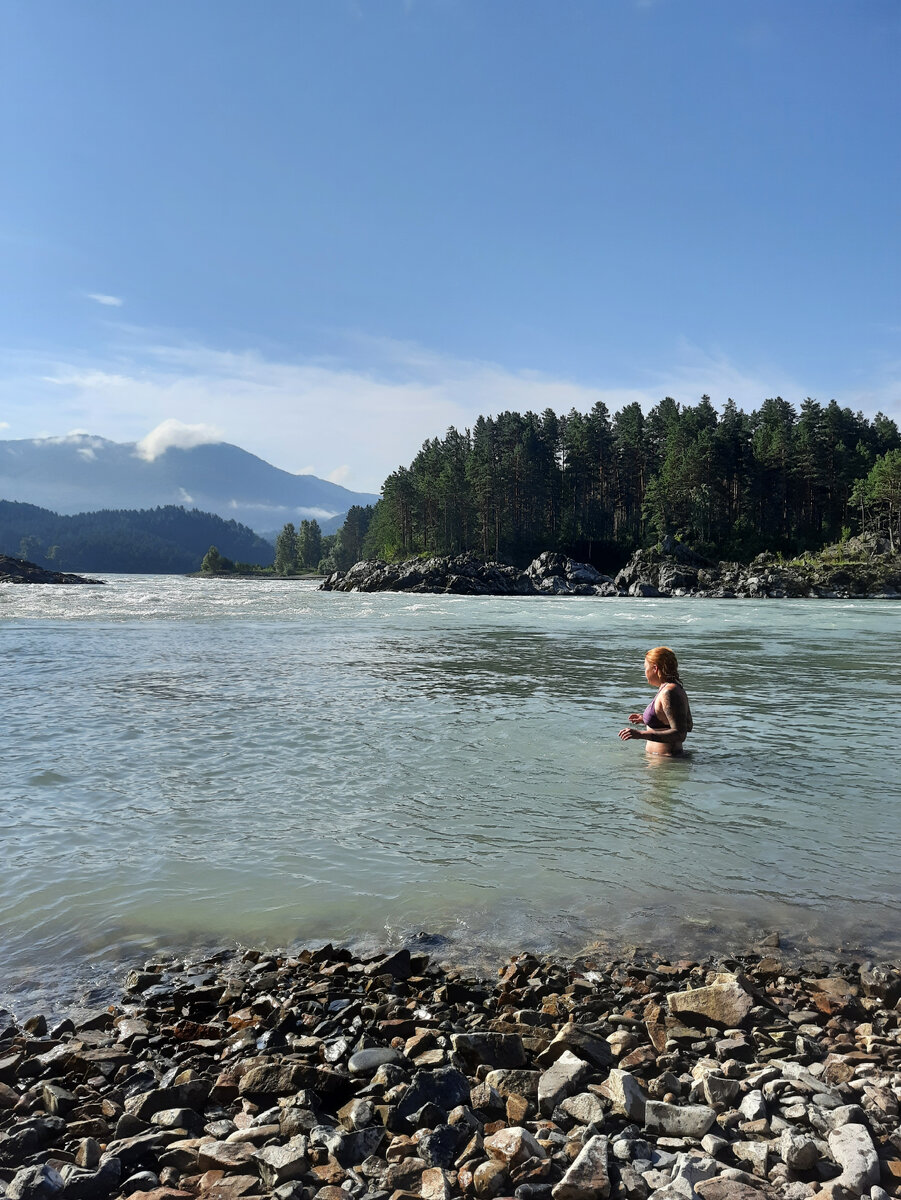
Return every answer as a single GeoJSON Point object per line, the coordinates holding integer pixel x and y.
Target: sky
{"type": "Point", "coordinates": [326, 230]}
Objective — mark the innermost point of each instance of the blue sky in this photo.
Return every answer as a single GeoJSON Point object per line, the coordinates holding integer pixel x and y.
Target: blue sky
{"type": "Point", "coordinates": [327, 229]}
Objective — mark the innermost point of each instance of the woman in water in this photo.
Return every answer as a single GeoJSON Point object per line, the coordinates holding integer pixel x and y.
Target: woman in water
{"type": "Point", "coordinates": [667, 719]}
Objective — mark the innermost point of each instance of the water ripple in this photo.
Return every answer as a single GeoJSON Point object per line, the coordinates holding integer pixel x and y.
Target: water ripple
{"type": "Point", "coordinates": [191, 760]}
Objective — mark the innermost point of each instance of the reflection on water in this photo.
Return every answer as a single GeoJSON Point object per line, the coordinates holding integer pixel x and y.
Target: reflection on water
{"type": "Point", "coordinates": [264, 761]}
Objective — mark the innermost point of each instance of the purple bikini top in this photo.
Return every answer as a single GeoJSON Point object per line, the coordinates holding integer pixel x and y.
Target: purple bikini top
{"type": "Point", "coordinates": [649, 717]}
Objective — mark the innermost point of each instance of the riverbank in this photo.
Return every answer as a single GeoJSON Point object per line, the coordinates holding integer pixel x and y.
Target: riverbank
{"type": "Point", "coordinates": [321, 1074]}
{"type": "Point", "coordinates": [860, 569]}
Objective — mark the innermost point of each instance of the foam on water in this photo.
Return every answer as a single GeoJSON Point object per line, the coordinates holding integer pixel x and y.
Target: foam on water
{"type": "Point", "coordinates": [191, 762]}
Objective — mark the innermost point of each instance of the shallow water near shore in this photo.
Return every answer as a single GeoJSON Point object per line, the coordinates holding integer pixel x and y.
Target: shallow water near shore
{"type": "Point", "coordinates": [192, 762]}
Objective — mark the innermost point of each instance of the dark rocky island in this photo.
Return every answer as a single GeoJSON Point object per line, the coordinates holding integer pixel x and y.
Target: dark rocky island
{"type": "Point", "coordinates": [324, 1075]}
{"type": "Point", "coordinates": [860, 568]}
{"type": "Point", "coordinates": [18, 570]}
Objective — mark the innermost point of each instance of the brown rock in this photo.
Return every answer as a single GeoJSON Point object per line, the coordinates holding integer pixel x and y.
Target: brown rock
{"type": "Point", "coordinates": [232, 1187]}
{"type": "Point", "coordinates": [587, 1178]}
{"type": "Point", "coordinates": [639, 1059]}
{"type": "Point", "coordinates": [230, 1157]}
{"type": "Point", "coordinates": [727, 1189]}
{"type": "Point", "coordinates": [489, 1179]}
{"type": "Point", "coordinates": [512, 1146]}
{"type": "Point", "coordinates": [654, 1023]}
{"type": "Point", "coordinates": [518, 1109]}
{"type": "Point", "coordinates": [436, 1184]}
{"type": "Point", "coordinates": [406, 1174]}
{"type": "Point", "coordinates": [163, 1193]}
{"type": "Point", "coordinates": [723, 1002]}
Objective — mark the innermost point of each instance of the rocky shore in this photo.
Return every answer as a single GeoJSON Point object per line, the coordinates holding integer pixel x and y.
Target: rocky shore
{"type": "Point", "coordinates": [859, 569]}
{"type": "Point", "coordinates": [19, 570]}
{"type": "Point", "coordinates": [323, 1075]}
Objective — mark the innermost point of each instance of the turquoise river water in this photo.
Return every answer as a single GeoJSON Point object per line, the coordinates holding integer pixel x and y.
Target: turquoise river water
{"type": "Point", "coordinates": [191, 762]}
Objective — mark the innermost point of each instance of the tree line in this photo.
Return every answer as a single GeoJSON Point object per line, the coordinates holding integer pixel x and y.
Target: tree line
{"type": "Point", "coordinates": [164, 540]}
{"type": "Point", "coordinates": [731, 484]}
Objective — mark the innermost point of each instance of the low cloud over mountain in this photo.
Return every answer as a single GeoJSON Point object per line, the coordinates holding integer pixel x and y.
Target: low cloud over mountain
{"type": "Point", "coordinates": [176, 464]}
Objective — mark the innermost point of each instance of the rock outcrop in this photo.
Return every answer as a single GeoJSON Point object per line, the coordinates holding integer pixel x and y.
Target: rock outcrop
{"type": "Point", "coordinates": [858, 569]}
{"type": "Point", "coordinates": [18, 570]}
{"type": "Point", "coordinates": [549, 575]}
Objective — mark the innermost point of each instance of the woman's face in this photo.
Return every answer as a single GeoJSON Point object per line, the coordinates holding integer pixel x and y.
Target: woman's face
{"type": "Point", "coordinates": [651, 672]}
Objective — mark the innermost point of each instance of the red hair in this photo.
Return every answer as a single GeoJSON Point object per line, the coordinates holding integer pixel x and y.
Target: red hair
{"type": "Point", "coordinates": [665, 661]}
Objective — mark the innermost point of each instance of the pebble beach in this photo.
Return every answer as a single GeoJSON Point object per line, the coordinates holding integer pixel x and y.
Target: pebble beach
{"type": "Point", "coordinates": [323, 1075]}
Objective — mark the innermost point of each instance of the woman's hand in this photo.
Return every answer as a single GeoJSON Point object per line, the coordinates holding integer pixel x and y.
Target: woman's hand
{"type": "Point", "coordinates": [628, 734]}
{"type": "Point", "coordinates": [636, 718]}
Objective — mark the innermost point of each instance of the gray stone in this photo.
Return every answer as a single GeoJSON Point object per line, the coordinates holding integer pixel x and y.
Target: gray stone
{"type": "Point", "coordinates": [689, 1169]}
{"type": "Point", "coordinates": [797, 1150]}
{"type": "Point", "coordinates": [58, 1100]}
{"type": "Point", "coordinates": [714, 1145]}
{"type": "Point", "coordinates": [85, 1184]}
{"type": "Point", "coordinates": [560, 1080]}
{"type": "Point", "coordinates": [510, 1083]}
{"type": "Point", "coordinates": [445, 1088]}
{"type": "Point", "coordinates": [753, 1106]}
{"type": "Point", "coordinates": [677, 1120]}
{"type": "Point", "coordinates": [756, 1154]}
{"type": "Point", "coordinates": [280, 1164]}
{"type": "Point", "coordinates": [719, 1091]}
{"type": "Point", "coordinates": [723, 1002]}
{"type": "Point", "coordinates": [626, 1095]}
{"type": "Point", "coordinates": [366, 1062]}
{"type": "Point", "coordinates": [583, 1043]}
{"type": "Point", "coordinates": [439, 1147]}
{"type": "Point", "coordinates": [35, 1183]}
{"type": "Point", "coordinates": [178, 1118]}
{"type": "Point", "coordinates": [348, 1146]}
{"type": "Point", "coordinates": [133, 1149]}
{"type": "Point", "coordinates": [586, 1108]}
{"type": "Point", "coordinates": [587, 1178]}
{"type": "Point", "coordinates": [496, 1050]}
{"type": "Point", "coordinates": [852, 1148]}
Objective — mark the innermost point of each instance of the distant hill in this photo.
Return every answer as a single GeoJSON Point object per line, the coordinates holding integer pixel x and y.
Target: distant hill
{"type": "Point", "coordinates": [156, 541]}
{"type": "Point", "coordinates": [80, 473]}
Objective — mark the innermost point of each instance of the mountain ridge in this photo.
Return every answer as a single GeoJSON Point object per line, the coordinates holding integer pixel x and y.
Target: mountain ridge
{"type": "Point", "coordinates": [84, 472]}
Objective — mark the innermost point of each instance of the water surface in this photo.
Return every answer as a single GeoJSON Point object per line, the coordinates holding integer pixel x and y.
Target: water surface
{"type": "Point", "coordinates": [192, 761]}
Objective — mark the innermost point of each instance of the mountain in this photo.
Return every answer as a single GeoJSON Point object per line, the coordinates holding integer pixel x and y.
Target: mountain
{"type": "Point", "coordinates": [81, 473]}
{"type": "Point", "coordinates": [152, 541]}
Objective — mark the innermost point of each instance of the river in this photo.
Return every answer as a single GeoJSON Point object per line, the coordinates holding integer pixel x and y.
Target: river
{"type": "Point", "coordinates": [194, 762]}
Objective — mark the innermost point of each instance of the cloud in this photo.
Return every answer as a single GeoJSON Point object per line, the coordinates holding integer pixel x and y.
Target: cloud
{"type": "Point", "coordinates": [184, 497]}
{"type": "Point", "coordinates": [287, 511]}
{"type": "Point", "coordinates": [86, 452]}
{"type": "Point", "coordinates": [102, 298]}
{"type": "Point", "coordinates": [172, 434]}
{"type": "Point", "coordinates": [75, 437]}
{"type": "Point", "coordinates": [4, 425]}
{"type": "Point", "coordinates": [368, 410]}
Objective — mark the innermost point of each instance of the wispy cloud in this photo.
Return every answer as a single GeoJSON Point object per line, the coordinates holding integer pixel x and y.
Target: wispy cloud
{"type": "Point", "coordinates": [5, 425]}
{"type": "Point", "coordinates": [172, 434]}
{"type": "Point", "coordinates": [103, 298]}
{"type": "Point", "coordinates": [354, 420]}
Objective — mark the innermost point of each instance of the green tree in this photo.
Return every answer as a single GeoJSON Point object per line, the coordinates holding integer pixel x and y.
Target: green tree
{"type": "Point", "coordinates": [286, 550]}
{"type": "Point", "coordinates": [212, 561]}
{"type": "Point", "coordinates": [879, 497]}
